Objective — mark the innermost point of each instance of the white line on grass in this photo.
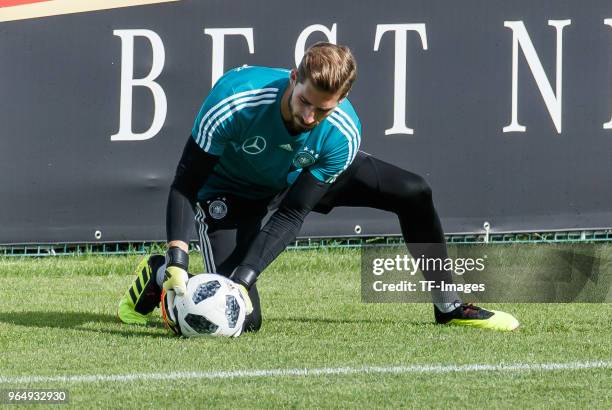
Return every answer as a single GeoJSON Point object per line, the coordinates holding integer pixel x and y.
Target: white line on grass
{"type": "Point", "coordinates": [326, 371]}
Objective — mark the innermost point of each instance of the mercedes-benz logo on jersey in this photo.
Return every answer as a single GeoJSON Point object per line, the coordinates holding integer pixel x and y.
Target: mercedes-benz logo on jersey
{"type": "Point", "coordinates": [254, 145]}
{"type": "Point", "coordinates": [217, 209]}
{"type": "Point", "coordinates": [303, 159]}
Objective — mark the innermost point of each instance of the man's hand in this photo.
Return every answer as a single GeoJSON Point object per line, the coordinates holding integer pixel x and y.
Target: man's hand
{"type": "Point", "coordinates": [247, 300]}
{"type": "Point", "coordinates": [176, 280]}
{"type": "Point", "coordinates": [177, 261]}
{"type": "Point", "coordinates": [244, 276]}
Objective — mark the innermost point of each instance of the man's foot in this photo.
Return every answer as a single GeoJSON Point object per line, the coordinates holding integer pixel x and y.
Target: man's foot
{"type": "Point", "coordinates": [474, 316]}
{"type": "Point", "coordinates": [143, 295]}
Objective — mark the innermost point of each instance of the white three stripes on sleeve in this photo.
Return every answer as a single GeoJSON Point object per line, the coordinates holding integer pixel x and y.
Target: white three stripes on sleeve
{"type": "Point", "coordinates": [228, 106]}
{"type": "Point", "coordinates": [347, 127]}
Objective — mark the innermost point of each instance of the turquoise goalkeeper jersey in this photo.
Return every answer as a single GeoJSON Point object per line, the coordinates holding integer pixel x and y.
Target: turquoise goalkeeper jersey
{"type": "Point", "coordinates": [241, 122]}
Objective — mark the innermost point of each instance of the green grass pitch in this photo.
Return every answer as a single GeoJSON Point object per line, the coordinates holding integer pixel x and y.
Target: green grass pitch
{"type": "Point", "coordinates": [57, 318]}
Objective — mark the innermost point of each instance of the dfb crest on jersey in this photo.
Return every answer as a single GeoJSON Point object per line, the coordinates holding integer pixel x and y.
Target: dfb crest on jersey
{"type": "Point", "coordinates": [217, 209]}
{"type": "Point", "coordinates": [303, 159]}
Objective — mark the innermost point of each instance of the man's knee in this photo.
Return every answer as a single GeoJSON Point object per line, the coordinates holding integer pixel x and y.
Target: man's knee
{"type": "Point", "coordinates": [418, 187]}
{"type": "Point", "coordinates": [409, 188]}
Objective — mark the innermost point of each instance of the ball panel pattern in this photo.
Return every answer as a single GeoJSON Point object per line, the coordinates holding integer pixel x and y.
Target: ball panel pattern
{"type": "Point", "coordinates": [205, 291]}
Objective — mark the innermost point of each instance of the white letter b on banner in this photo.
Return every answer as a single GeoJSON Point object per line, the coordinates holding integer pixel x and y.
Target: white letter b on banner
{"type": "Point", "coordinates": [128, 82]}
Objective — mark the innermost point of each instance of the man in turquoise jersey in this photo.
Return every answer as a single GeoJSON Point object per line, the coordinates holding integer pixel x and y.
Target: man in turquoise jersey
{"type": "Point", "coordinates": [271, 136]}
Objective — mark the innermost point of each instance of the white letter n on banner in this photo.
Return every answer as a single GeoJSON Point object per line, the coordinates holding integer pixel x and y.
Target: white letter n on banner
{"type": "Point", "coordinates": [520, 37]}
{"type": "Point", "coordinates": [128, 82]}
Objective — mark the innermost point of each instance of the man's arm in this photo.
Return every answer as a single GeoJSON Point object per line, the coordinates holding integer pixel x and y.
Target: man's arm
{"type": "Point", "coordinates": [191, 173]}
{"type": "Point", "coordinates": [281, 229]}
{"type": "Point", "coordinates": [206, 144]}
{"type": "Point", "coordinates": [307, 190]}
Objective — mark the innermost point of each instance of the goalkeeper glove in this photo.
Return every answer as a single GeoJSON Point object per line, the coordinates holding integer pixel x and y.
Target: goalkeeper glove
{"type": "Point", "coordinates": [243, 277]}
{"type": "Point", "coordinates": [247, 300]}
{"type": "Point", "coordinates": [177, 261]}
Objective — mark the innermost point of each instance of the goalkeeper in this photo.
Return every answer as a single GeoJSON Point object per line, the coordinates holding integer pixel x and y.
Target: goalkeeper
{"type": "Point", "coordinates": [285, 141]}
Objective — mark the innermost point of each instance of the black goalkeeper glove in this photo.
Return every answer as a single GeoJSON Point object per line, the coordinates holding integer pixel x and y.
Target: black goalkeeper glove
{"type": "Point", "coordinates": [245, 278]}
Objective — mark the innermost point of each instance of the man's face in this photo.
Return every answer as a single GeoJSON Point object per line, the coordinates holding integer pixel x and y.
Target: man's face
{"type": "Point", "coordinates": [308, 106]}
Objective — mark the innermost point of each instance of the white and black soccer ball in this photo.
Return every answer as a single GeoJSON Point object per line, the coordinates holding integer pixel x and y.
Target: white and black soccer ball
{"type": "Point", "coordinates": [212, 306]}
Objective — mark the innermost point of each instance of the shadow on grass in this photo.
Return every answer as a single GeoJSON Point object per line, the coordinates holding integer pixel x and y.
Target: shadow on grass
{"type": "Point", "coordinates": [341, 321]}
{"type": "Point", "coordinates": [79, 320]}
{"type": "Point", "coordinates": [76, 320]}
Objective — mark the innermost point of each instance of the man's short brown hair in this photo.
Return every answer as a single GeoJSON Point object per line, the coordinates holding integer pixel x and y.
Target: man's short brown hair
{"type": "Point", "coordinates": [329, 68]}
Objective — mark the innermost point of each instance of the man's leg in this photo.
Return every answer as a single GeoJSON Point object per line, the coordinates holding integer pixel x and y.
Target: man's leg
{"type": "Point", "coordinates": [370, 182]}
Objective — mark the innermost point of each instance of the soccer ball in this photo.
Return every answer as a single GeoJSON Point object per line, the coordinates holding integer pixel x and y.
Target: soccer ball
{"type": "Point", "coordinates": [212, 306]}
